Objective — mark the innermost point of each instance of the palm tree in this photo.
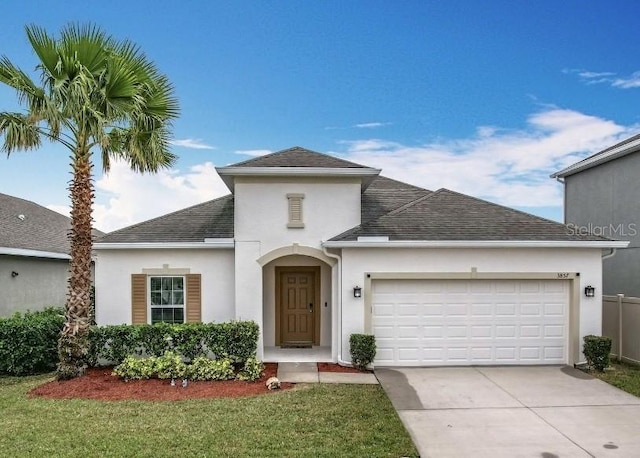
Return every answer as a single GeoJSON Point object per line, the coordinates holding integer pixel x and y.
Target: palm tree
{"type": "Point", "coordinates": [95, 95]}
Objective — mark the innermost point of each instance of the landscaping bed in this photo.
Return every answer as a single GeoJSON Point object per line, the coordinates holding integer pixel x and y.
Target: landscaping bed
{"type": "Point", "coordinates": [100, 384]}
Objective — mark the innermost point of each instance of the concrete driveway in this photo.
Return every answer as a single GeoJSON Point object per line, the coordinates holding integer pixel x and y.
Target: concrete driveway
{"type": "Point", "coordinates": [543, 412]}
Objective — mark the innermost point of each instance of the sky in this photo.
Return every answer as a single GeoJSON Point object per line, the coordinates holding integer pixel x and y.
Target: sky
{"type": "Point", "coordinates": [485, 98]}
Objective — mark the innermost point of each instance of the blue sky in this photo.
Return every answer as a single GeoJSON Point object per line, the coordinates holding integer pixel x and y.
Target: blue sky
{"type": "Point", "coordinates": [486, 98]}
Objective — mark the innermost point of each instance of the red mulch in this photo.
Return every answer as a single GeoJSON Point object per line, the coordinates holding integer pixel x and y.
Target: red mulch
{"type": "Point", "coordinates": [333, 367]}
{"type": "Point", "coordinates": [99, 384]}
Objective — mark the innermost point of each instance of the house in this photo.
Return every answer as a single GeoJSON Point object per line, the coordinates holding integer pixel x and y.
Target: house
{"type": "Point", "coordinates": [315, 248]}
{"type": "Point", "coordinates": [34, 256]}
{"type": "Point", "coordinates": [602, 196]}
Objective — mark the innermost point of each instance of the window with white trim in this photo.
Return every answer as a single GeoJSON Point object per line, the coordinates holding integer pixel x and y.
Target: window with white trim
{"type": "Point", "coordinates": [166, 298]}
{"type": "Point", "coordinates": [295, 211]}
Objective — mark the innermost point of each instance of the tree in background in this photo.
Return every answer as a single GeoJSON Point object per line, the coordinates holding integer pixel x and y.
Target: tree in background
{"type": "Point", "coordinates": [95, 95]}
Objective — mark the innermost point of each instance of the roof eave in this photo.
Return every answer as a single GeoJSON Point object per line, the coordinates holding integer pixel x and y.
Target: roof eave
{"type": "Point", "coordinates": [598, 159]}
{"type": "Point", "coordinates": [33, 253]}
{"type": "Point", "coordinates": [477, 244]}
{"type": "Point", "coordinates": [227, 174]}
{"type": "Point", "coordinates": [207, 244]}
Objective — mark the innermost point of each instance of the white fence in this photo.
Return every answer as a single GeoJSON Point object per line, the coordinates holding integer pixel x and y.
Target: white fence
{"type": "Point", "coordinates": [621, 322]}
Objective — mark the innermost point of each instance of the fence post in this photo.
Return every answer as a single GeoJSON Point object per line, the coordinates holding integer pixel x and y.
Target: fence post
{"type": "Point", "coordinates": [620, 299]}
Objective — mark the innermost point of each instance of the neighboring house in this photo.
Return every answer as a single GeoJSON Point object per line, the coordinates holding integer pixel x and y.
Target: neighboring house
{"type": "Point", "coordinates": [34, 256]}
{"type": "Point", "coordinates": [602, 196]}
{"type": "Point", "coordinates": [315, 248]}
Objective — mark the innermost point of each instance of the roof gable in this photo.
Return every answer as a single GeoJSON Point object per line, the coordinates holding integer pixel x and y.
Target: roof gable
{"type": "Point", "coordinates": [298, 157]}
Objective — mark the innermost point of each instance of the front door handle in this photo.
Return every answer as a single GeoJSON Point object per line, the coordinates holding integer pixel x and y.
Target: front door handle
{"type": "Point", "coordinates": [311, 308]}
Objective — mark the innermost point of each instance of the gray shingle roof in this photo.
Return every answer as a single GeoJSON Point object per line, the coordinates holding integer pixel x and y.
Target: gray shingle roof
{"type": "Point", "coordinates": [447, 215]}
{"type": "Point", "coordinates": [389, 208]}
{"type": "Point", "coordinates": [298, 157]}
{"type": "Point", "coordinates": [41, 229]}
{"type": "Point", "coordinates": [212, 219]}
{"type": "Point", "coordinates": [384, 195]}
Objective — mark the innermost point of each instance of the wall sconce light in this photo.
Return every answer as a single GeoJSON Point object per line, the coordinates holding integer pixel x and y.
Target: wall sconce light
{"type": "Point", "coordinates": [357, 291]}
{"type": "Point", "coordinates": [14, 274]}
{"type": "Point", "coordinates": [589, 291]}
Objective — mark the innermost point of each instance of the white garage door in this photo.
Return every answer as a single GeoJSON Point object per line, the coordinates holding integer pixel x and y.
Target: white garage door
{"type": "Point", "coordinates": [470, 322]}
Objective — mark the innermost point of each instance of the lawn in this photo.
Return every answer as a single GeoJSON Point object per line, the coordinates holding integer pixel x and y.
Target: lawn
{"type": "Point", "coordinates": [624, 376]}
{"type": "Point", "coordinates": [314, 421]}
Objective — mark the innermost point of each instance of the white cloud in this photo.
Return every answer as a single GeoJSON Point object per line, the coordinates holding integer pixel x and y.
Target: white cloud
{"type": "Point", "coordinates": [124, 197]}
{"type": "Point", "coordinates": [194, 143]}
{"type": "Point", "coordinates": [371, 125]}
{"type": "Point", "coordinates": [629, 82]}
{"type": "Point", "coordinates": [254, 152]}
{"type": "Point", "coordinates": [505, 166]}
{"type": "Point", "coordinates": [610, 78]}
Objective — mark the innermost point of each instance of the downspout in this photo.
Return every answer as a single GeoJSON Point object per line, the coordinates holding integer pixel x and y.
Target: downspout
{"type": "Point", "coordinates": [610, 255]}
{"type": "Point", "coordinates": [338, 258]}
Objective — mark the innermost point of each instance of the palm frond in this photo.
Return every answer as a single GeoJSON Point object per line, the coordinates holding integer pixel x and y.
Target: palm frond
{"type": "Point", "coordinates": [18, 133]}
{"type": "Point", "coordinates": [46, 48]}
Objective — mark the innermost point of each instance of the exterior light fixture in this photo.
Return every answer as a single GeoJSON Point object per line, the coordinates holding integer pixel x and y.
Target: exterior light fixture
{"type": "Point", "coordinates": [589, 291]}
{"type": "Point", "coordinates": [357, 291]}
{"type": "Point", "coordinates": [14, 274]}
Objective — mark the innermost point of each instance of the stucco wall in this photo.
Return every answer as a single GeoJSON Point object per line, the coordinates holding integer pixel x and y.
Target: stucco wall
{"type": "Point", "coordinates": [358, 262]}
{"type": "Point", "coordinates": [269, 297]}
{"type": "Point", "coordinates": [113, 280]}
{"type": "Point", "coordinates": [606, 200]}
{"type": "Point", "coordinates": [261, 210]}
{"type": "Point", "coordinates": [40, 283]}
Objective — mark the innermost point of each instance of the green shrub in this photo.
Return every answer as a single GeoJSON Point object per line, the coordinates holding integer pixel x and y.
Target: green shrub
{"type": "Point", "coordinates": [169, 365]}
{"type": "Point", "coordinates": [252, 370]}
{"type": "Point", "coordinates": [29, 341]}
{"type": "Point", "coordinates": [112, 343]}
{"type": "Point", "coordinates": [237, 340]}
{"type": "Point", "coordinates": [597, 350]}
{"type": "Point", "coordinates": [133, 368]}
{"type": "Point", "coordinates": [363, 350]}
{"type": "Point", "coordinates": [203, 368]}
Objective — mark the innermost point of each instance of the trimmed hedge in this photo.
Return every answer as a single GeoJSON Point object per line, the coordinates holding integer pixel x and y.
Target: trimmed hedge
{"type": "Point", "coordinates": [597, 351]}
{"type": "Point", "coordinates": [29, 341]}
{"type": "Point", "coordinates": [363, 350]}
{"type": "Point", "coordinates": [236, 340]}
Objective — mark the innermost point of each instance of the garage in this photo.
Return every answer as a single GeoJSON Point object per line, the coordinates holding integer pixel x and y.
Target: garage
{"type": "Point", "coordinates": [419, 322]}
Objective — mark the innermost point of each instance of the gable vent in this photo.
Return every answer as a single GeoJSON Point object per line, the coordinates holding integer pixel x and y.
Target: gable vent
{"type": "Point", "coordinates": [295, 211]}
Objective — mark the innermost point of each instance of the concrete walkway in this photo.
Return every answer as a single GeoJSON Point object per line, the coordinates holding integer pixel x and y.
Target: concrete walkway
{"type": "Point", "coordinates": [308, 373]}
{"type": "Point", "coordinates": [546, 412]}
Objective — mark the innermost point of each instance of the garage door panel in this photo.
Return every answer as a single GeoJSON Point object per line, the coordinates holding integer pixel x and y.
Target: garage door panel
{"type": "Point", "coordinates": [470, 322]}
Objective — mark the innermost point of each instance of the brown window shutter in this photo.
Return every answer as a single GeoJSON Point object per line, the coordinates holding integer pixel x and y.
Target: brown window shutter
{"type": "Point", "coordinates": [194, 299]}
{"type": "Point", "coordinates": [138, 298]}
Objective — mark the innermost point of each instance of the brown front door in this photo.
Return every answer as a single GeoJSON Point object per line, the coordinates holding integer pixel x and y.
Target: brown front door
{"type": "Point", "coordinates": [297, 306]}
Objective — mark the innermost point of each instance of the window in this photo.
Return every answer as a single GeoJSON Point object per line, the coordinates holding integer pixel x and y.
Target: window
{"type": "Point", "coordinates": [295, 211]}
{"type": "Point", "coordinates": [167, 299]}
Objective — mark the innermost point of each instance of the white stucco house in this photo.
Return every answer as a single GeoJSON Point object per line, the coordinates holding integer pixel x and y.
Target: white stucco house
{"type": "Point", "coordinates": [315, 248]}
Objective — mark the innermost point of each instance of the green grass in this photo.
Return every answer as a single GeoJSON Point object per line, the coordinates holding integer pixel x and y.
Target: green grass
{"type": "Point", "coordinates": [321, 420]}
{"type": "Point", "coordinates": [621, 375]}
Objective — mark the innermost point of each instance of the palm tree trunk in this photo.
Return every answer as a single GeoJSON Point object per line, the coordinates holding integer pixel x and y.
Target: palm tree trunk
{"type": "Point", "coordinates": [73, 345]}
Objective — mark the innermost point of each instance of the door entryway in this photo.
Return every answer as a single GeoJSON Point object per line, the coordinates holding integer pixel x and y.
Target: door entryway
{"type": "Point", "coordinates": [297, 306]}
